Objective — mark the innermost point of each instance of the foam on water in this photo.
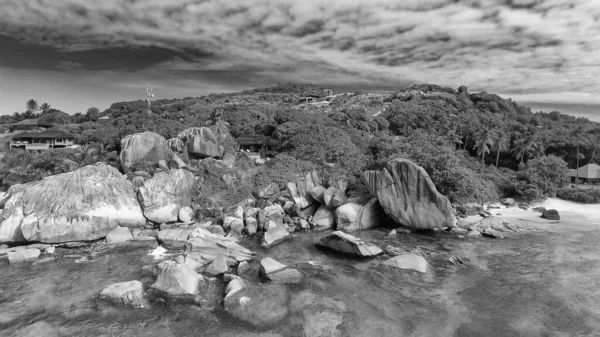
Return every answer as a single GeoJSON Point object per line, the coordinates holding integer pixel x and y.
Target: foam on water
{"type": "Point", "coordinates": [159, 253]}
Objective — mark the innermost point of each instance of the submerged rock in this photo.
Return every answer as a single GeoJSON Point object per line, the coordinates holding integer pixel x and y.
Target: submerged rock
{"type": "Point", "coordinates": [23, 255]}
{"type": "Point", "coordinates": [165, 194]}
{"type": "Point", "coordinates": [175, 237]}
{"type": "Point", "coordinates": [551, 214]}
{"type": "Point", "coordinates": [82, 205]}
{"type": "Point", "coordinates": [408, 261]}
{"type": "Point", "coordinates": [321, 315]}
{"type": "Point", "coordinates": [408, 195]}
{"type": "Point", "coordinates": [278, 272]}
{"type": "Point", "coordinates": [274, 235]}
{"type": "Point", "coordinates": [180, 283]}
{"type": "Point", "coordinates": [348, 244]}
{"type": "Point", "coordinates": [262, 305]}
{"type": "Point", "coordinates": [129, 293]}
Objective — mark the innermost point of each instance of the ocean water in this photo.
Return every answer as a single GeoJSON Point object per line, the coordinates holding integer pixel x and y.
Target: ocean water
{"type": "Point", "coordinates": [534, 284]}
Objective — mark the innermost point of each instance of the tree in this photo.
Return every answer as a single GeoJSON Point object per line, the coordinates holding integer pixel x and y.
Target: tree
{"type": "Point", "coordinates": [580, 139]}
{"type": "Point", "coordinates": [500, 145]}
{"type": "Point", "coordinates": [483, 139]}
{"type": "Point", "coordinates": [31, 106]}
{"type": "Point", "coordinates": [453, 139]}
{"type": "Point", "coordinates": [525, 147]}
{"type": "Point", "coordinates": [44, 109]}
{"type": "Point", "coordinates": [541, 177]}
{"type": "Point", "coordinates": [93, 114]}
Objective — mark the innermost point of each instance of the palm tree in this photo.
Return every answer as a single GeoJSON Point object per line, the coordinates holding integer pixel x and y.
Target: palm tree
{"type": "Point", "coordinates": [525, 147]}
{"type": "Point", "coordinates": [580, 139]}
{"type": "Point", "coordinates": [453, 139]}
{"type": "Point", "coordinates": [500, 145]}
{"type": "Point", "coordinates": [31, 106]}
{"type": "Point", "coordinates": [483, 139]}
{"type": "Point", "coordinates": [44, 108]}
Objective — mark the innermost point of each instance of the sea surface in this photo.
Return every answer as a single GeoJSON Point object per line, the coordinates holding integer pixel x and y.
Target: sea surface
{"type": "Point", "coordinates": [540, 283]}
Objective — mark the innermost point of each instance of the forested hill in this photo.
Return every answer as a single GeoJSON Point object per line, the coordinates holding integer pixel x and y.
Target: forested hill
{"type": "Point", "coordinates": [472, 144]}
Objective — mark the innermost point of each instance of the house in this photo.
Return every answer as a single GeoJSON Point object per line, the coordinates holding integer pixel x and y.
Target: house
{"type": "Point", "coordinates": [311, 98]}
{"type": "Point", "coordinates": [43, 140]}
{"type": "Point", "coordinates": [104, 118]}
{"type": "Point", "coordinates": [30, 125]}
{"type": "Point", "coordinates": [589, 173]}
{"type": "Point", "coordinates": [253, 143]}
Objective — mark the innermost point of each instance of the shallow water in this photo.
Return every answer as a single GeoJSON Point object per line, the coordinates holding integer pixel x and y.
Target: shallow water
{"type": "Point", "coordinates": [536, 284]}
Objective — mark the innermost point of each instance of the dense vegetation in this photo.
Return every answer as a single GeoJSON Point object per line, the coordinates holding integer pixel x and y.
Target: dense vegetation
{"type": "Point", "coordinates": [475, 147]}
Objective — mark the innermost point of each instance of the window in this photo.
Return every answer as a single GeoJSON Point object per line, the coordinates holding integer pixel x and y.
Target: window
{"type": "Point", "coordinates": [59, 140]}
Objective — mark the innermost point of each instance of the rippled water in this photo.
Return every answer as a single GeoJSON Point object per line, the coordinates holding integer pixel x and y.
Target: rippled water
{"type": "Point", "coordinates": [536, 284]}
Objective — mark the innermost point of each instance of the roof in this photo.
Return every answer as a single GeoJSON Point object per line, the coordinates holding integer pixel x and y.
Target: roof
{"type": "Point", "coordinates": [35, 122]}
{"type": "Point", "coordinates": [250, 138]}
{"type": "Point", "coordinates": [44, 134]}
{"type": "Point", "coordinates": [589, 171]}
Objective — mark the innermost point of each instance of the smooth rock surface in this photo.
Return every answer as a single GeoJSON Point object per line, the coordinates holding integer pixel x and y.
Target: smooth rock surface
{"type": "Point", "coordinates": [408, 261]}
{"type": "Point", "coordinates": [82, 205]}
{"type": "Point", "coordinates": [176, 237]}
{"type": "Point", "coordinates": [186, 214]}
{"type": "Point", "coordinates": [551, 214]}
{"type": "Point", "coordinates": [118, 235]}
{"type": "Point", "coordinates": [300, 190]}
{"type": "Point", "coordinates": [129, 293]}
{"type": "Point", "coordinates": [204, 246]}
{"type": "Point", "coordinates": [262, 305]}
{"type": "Point", "coordinates": [408, 195]}
{"type": "Point", "coordinates": [348, 244]}
{"type": "Point", "coordinates": [146, 149]}
{"type": "Point", "coordinates": [277, 272]}
{"type": "Point", "coordinates": [23, 255]}
{"type": "Point", "coordinates": [274, 235]}
{"type": "Point", "coordinates": [165, 194]}
{"type": "Point", "coordinates": [217, 267]}
{"type": "Point", "coordinates": [203, 143]}
{"type": "Point", "coordinates": [179, 282]}
{"type": "Point", "coordinates": [324, 219]}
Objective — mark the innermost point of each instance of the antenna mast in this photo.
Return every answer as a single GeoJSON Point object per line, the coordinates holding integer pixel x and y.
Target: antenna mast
{"type": "Point", "coordinates": [149, 96]}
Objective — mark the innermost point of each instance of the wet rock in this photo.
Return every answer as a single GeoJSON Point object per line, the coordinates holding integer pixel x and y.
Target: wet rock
{"type": "Point", "coordinates": [408, 196]}
{"type": "Point", "coordinates": [485, 214]}
{"type": "Point", "coordinates": [50, 250]}
{"type": "Point", "coordinates": [195, 265]}
{"type": "Point", "coordinates": [346, 215]}
{"type": "Point", "coordinates": [186, 214]}
{"type": "Point", "coordinates": [217, 267]}
{"type": "Point", "coordinates": [274, 235]}
{"type": "Point", "coordinates": [180, 283]}
{"type": "Point", "coordinates": [473, 233]}
{"type": "Point", "coordinates": [392, 233]}
{"type": "Point", "coordinates": [490, 233]}
{"type": "Point", "coordinates": [321, 315]}
{"type": "Point", "coordinates": [523, 205]}
{"type": "Point", "coordinates": [262, 305]}
{"type": "Point", "coordinates": [469, 209]}
{"type": "Point", "coordinates": [233, 224]}
{"type": "Point", "coordinates": [539, 209]}
{"type": "Point", "coordinates": [145, 149]}
{"type": "Point", "coordinates": [174, 237]}
{"type": "Point", "coordinates": [129, 293]}
{"type": "Point", "coordinates": [118, 235]}
{"type": "Point", "coordinates": [304, 213]}
{"type": "Point", "coordinates": [457, 261]}
{"type": "Point", "coordinates": [508, 202]}
{"type": "Point", "coordinates": [138, 181]}
{"type": "Point", "coordinates": [85, 204]}
{"type": "Point", "coordinates": [463, 224]}
{"type": "Point", "coordinates": [551, 214]}
{"type": "Point", "coordinates": [251, 226]}
{"type": "Point", "coordinates": [408, 261]}
{"type": "Point", "coordinates": [204, 246]}
{"type": "Point", "coordinates": [333, 198]}
{"type": "Point", "coordinates": [274, 213]}
{"type": "Point", "coordinates": [278, 272]}
{"type": "Point", "coordinates": [143, 241]}
{"type": "Point", "coordinates": [243, 270]}
{"type": "Point", "coordinates": [165, 194]}
{"type": "Point", "coordinates": [348, 244]}
{"type": "Point", "coordinates": [324, 219]}
{"type": "Point", "coordinates": [23, 255]}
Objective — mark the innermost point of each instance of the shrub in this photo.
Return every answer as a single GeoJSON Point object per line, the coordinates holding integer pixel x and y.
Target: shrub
{"type": "Point", "coordinates": [282, 169]}
{"type": "Point", "coordinates": [588, 196]}
{"type": "Point", "coordinates": [541, 177]}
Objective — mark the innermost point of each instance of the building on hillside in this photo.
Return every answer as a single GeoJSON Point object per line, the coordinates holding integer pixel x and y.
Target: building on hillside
{"type": "Point", "coordinates": [254, 144]}
{"type": "Point", "coordinates": [104, 118]}
{"type": "Point", "coordinates": [44, 140]}
{"type": "Point", "coordinates": [589, 173]}
{"type": "Point", "coordinates": [312, 98]}
{"type": "Point", "coordinates": [30, 125]}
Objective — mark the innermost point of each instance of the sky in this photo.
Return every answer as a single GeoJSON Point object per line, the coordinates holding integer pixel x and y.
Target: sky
{"type": "Point", "coordinates": [77, 54]}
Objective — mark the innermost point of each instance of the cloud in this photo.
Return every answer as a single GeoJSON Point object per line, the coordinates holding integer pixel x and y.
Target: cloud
{"type": "Point", "coordinates": [516, 47]}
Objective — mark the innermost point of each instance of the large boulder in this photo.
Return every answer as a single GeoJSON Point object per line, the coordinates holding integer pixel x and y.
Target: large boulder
{"type": "Point", "coordinates": [324, 219]}
{"type": "Point", "coordinates": [82, 205]}
{"type": "Point", "coordinates": [205, 247]}
{"type": "Point", "coordinates": [300, 190]}
{"type": "Point", "coordinates": [146, 149]}
{"type": "Point", "coordinates": [176, 144]}
{"type": "Point", "coordinates": [165, 194]}
{"type": "Point", "coordinates": [370, 215]}
{"type": "Point", "coordinates": [333, 198]}
{"type": "Point", "coordinates": [174, 237]}
{"type": "Point", "coordinates": [408, 196]}
{"type": "Point", "coordinates": [203, 143]}
{"type": "Point", "coordinates": [23, 255]}
{"type": "Point", "coordinates": [318, 194]}
{"type": "Point", "coordinates": [348, 244]}
{"type": "Point", "coordinates": [119, 235]}
{"type": "Point", "coordinates": [347, 216]}
{"type": "Point", "coordinates": [274, 271]}
{"type": "Point", "coordinates": [551, 214]}
{"type": "Point", "coordinates": [262, 305]}
{"type": "Point", "coordinates": [129, 293]}
{"type": "Point", "coordinates": [274, 235]}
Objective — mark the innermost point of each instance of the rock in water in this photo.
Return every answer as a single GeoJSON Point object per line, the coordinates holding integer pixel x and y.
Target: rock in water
{"type": "Point", "coordinates": [206, 246]}
{"type": "Point", "coordinates": [262, 305]}
{"type": "Point", "coordinates": [318, 194]}
{"type": "Point", "coordinates": [180, 283]}
{"type": "Point", "coordinates": [408, 195]}
{"type": "Point", "coordinates": [165, 194]}
{"type": "Point", "coordinates": [278, 272]}
{"type": "Point", "coordinates": [118, 235]}
{"type": "Point", "coordinates": [23, 255]}
{"type": "Point", "coordinates": [551, 214]}
{"type": "Point", "coordinates": [141, 150]}
{"type": "Point", "coordinates": [217, 267]}
{"type": "Point", "coordinates": [203, 143]}
{"type": "Point", "coordinates": [408, 261]}
{"type": "Point", "coordinates": [274, 235]}
{"type": "Point", "coordinates": [82, 205]}
{"type": "Point", "coordinates": [175, 237]}
{"type": "Point", "coordinates": [129, 293]}
{"type": "Point", "coordinates": [348, 244]}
